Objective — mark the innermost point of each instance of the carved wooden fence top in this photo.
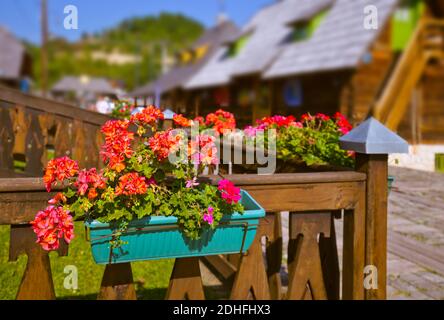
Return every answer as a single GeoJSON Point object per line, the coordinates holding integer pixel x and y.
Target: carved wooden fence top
{"type": "Point", "coordinates": [34, 130]}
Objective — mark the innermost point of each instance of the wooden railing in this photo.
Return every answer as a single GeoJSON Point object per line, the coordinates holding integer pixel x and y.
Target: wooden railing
{"type": "Point", "coordinates": [426, 43]}
{"type": "Point", "coordinates": [33, 129]}
{"type": "Point", "coordinates": [313, 200]}
{"type": "Point", "coordinates": [313, 266]}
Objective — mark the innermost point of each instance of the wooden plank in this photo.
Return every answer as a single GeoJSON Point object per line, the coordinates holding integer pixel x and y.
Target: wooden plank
{"type": "Point", "coordinates": [26, 195]}
{"type": "Point", "coordinates": [421, 254]}
{"type": "Point", "coordinates": [6, 139]}
{"type": "Point", "coordinates": [52, 106]}
{"type": "Point", "coordinates": [330, 261]}
{"type": "Point", "coordinates": [376, 168]}
{"type": "Point", "coordinates": [300, 178]}
{"type": "Point", "coordinates": [117, 283]}
{"type": "Point", "coordinates": [248, 284]}
{"type": "Point", "coordinates": [37, 281]}
{"type": "Point", "coordinates": [306, 197]}
{"type": "Point", "coordinates": [21, 207]}
{"type": "Point", "coordinates": [23, 184]}
{"type": "Point", "coordinates": [353, 254]}
{"type": "Point", "coordinates": [221, 268]}
{"type": "Point", "coordinates": [306, 280]}
{"type": "Point", "coordinates": [36, 184]}
{"type": "Point", "coordinates": [273, 253]}
{"type": "Point", "coordinates": [186, 281]}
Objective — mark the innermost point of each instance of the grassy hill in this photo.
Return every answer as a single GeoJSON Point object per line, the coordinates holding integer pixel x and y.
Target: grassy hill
{"type": "Point", "coordinates": [139, 39]}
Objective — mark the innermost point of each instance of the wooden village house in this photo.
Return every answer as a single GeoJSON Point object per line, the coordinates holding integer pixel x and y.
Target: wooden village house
{"type": "Point", "coordinates": [297, 56]}
{"type": "Point", "coordinates": [83, 90]}
{"type": "Point", "coordinates": [15, 62]}
{"type": "Point", "coordinates": [169, 87]}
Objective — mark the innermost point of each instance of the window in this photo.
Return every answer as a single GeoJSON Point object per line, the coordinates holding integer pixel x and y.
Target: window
{"type": "Point", "coordinates": [304, 29]}
{"type": "Point", "coordinates": [238, 45]}
{"type": "Point", "coordinates": [404, 22]}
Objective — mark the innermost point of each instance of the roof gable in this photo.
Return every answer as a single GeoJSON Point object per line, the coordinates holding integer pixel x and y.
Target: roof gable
{"type": "Point", "coordinates": [178, 76]}
{"type": "Point", "coordinates": [12, 54]}
{"type": "Point", "coordinates": [338, 43]}
{"type": "Point", "coordinates": [269, 29]}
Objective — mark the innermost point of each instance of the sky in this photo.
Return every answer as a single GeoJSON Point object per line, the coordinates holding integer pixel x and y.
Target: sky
{"type": "Point", "coordinates": [22, 17]}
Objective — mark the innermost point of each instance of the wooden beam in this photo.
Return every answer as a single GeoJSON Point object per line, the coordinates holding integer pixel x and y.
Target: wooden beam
{"type": "Point", "coordinates": [51, 106]}
{"type": "Point", "coordinates": [376, 168]}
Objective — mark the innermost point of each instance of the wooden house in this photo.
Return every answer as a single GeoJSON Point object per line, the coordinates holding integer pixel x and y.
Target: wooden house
{"type": "Point", "coordinates": [168, 88]}
{"type": "Point", "coordinates": [361, 58]}
{"type": "Point", "coordinates": [83, 90]}
{"type": "Point", "coordinates": [15, 62]}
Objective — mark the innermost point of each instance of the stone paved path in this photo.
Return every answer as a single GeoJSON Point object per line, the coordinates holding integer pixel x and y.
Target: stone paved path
{"type": "Point", "coordinates": [416, 237]}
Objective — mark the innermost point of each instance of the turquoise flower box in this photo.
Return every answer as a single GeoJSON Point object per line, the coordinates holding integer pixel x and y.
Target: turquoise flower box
{"type": "Point", "coordinates": [159, 237]}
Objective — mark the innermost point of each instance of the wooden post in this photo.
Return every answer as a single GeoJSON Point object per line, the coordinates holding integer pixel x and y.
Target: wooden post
{"type": "Point", "coordinates": [117, 283]}
{"type": "Point", "coordinates": [376, 168]}
{"type": "Point", "coordinates": [306, 281]}
{"type": "Point", "coordinates": [274, 254]}
{"type": "Point", "coordinates": [372, 143]}
{"type": "Point", "coordinates": [330, 260]}
{"type": "Point", "coordinates": [251, 280]}
{"type": "Point", "coordinates": [186, 281]}
{"type": "Point", "coordinates": [37, 281]}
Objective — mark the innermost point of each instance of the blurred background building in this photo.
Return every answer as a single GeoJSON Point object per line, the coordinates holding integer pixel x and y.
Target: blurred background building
{"type": "Point", "coordinates": [15, 62]}
{"type": "Point", "coordinates": [84, 90]}
{"type": "Point", "coordinates": [290, 57]}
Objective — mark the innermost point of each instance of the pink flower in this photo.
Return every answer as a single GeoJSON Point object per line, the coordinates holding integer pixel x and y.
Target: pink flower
{"type": "Point", "coordinates": [59, 169]}
{"type": "Point", "coordinates": [203, 150]}
{"type": "Point", "coordinates": [297, 124]}
{"type": "Point", "coordinates": [229, 192]}
{"type": "Point", "coordinates": [208, 216]}
{"type": "Point", "coordinates": [192, 183]}
{"type": "Point", "coordinates": [322, 117]}
{"type": "Point", "coordinates": [250, 131]}
{"type": "Point", "coordinates": [343, 124]}
{"type": "Point", "coordinates": [131, 184]}
{"type": "Point", "coordinates": [90, 179]}
{"type": "Point", "coordinates": [52, 224]}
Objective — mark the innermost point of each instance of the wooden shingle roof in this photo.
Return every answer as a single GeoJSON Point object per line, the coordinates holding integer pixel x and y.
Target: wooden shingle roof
{"type": "Point", "coordinates": [178, 76]}
{"type": "Point", "coordinates": [88, 85]}
{"type": "Point", "coordinates": [339, 43]}
{"type": "Point", "coordinates": [268, 33]}
{"type": "Point", "coordinates": [12, 54]}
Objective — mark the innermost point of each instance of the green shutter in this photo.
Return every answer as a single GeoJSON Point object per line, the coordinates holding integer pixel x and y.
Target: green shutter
{"type": "Point", "coordinates": [404, 23]}
{"type": "Point", "coordinates": [439, 162]}
{"type": "Point", "coordinates": [305, 30]}
{"type": "Point", "coordinates": [315, 22]}
{"type": "Point", "coordinates": [238, 45]}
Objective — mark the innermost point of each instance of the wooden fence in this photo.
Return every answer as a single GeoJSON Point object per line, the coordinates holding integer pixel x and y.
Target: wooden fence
{"type": "Point", "coordinates": [313, 200]}
{"type": "Point", "coordinates": [34, 129]}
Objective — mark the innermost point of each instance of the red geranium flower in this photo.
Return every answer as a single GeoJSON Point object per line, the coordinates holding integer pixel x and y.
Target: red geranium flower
{"type": "Point", "coordinates": [181, 121]}
{"type": "Point", "coordinates": [342, 122]}
{"type": "Point", "coordinates": [131, 184]}
{"type": "Point", "coordinates": [90, 179]}
{"type": "Point", "coordinates": [276, 121]}
{"type": "Point", "coordinates": [164, 143]}
{"type": "Point", "coordinates": [221, 121]}
{"type": "Point", "coordinates": [58, 170]}
{"type": "Point", "coordinates": [229, 192]}
{"type": "Point", "coordinates": [51, 225]}
{"type": "Point", "coordinates": [200, 120]}
{"type": "Point", "coordinates": [322, 117]}
{"type": "Point", "coordinates": [117, 144]}
{"type": "Point", "coordinates": [148, 116]}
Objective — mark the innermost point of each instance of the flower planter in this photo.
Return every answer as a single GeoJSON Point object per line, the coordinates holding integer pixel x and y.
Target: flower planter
{"type": "Point", "coordinates": [158, 237]}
